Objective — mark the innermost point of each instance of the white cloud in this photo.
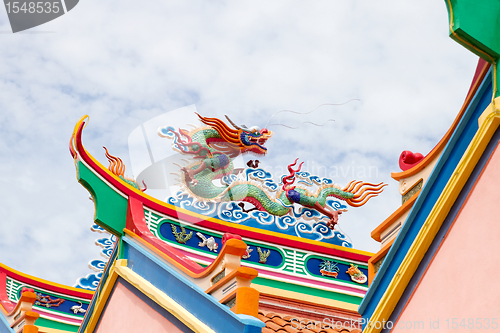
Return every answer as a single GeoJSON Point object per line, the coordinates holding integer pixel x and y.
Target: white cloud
{"type": "Point", "coordinates": [123, 63]}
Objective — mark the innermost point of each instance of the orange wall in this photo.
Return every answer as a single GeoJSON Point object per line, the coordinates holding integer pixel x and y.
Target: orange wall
{"type": "Point", "coordinates": [461, 284]}
{"type": "Point", "coordinates": [127, 313]}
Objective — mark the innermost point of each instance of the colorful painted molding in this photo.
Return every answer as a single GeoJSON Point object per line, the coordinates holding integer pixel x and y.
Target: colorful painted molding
{"type": "Point", "coordinates": [52, 302]}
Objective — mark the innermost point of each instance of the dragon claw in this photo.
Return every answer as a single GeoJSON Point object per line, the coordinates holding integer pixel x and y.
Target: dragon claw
{"type": "Point", "coordinates": [331, 224]}
{"type": "Point", "coordinates": [189, 176]}
{"type": "Point", "coordinates": [334, 218]}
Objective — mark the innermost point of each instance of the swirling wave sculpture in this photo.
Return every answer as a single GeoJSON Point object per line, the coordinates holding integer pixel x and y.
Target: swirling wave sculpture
{"type": "Point", "coordinates": [213, 148]}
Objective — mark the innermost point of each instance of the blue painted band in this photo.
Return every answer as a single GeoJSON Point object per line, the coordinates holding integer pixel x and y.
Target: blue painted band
{"type": "Point", "coordinates": [445, 227]}
{"type": "Point", "coordinates": [249, 320]}
{"type": "Point", "coordinates": [253, 325]}
{"type": "Point", "coordinates": [187, 294]}
{"type": "Point", "coordinates": [105, 276]}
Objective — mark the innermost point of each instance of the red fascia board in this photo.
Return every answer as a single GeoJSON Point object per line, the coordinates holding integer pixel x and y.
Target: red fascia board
{"type": "Point", "coordinates": [43, 284]}
{"type": "Point", "coordinates": [137, 224]}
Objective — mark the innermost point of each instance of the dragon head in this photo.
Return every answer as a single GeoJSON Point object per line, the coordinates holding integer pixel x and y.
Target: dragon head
{"type": "Point", "coordinates": [246, 139]}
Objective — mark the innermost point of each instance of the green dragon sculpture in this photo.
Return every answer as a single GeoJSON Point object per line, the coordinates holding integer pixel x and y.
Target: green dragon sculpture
{"type": "Point", "coordinates": [216, 145]}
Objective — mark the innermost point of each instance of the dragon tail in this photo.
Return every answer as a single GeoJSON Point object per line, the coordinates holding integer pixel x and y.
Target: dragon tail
{"type": "Point", "coordinates": [362, 192]}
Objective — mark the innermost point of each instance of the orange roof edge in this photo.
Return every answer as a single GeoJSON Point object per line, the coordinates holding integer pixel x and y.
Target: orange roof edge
{"type": "Point", "coordinates": [481, 70]}
{"type": "Point", "coordinates": [400, 211]}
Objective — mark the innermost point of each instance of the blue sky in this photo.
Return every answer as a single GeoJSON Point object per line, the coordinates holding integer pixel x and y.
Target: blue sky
{"type": "Point", "coordinates": [124, 62]}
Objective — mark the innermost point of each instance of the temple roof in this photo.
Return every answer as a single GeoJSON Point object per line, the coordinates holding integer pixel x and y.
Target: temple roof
{"type": "Point", "coordinates": [441, 199]}
{"type": "Point", "coordinates": [59, 307]}
{"type": "Point", "coordinates": [289, 324]}
{"type": "Point", "coordinates": [481, 71]}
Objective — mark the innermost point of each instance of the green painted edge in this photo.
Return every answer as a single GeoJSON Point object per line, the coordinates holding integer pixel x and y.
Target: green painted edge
{"type": "Point", "coordinates": [308, 290]}
{"type": "Point", "coordinates": [477, 23]}
{"type": "Point", "coordinates": [110, 207]}
{"type": "Point", "coordinates": [121, 254]}
{"type": "Point", "coordinates": [42, 322]}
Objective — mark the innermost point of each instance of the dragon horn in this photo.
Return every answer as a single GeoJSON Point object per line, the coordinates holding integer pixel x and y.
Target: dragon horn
{"type": "Point", "coordinates": [235, 126]}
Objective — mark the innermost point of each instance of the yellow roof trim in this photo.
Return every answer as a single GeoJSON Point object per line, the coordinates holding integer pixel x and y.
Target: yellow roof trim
{"type": "Point", "coordinates": [120, 269]}
{"type": "Point", "coordinates": [103, 296]}
{"type": "Point", "coordinates": [489, 122]}
{"type": "Point", "coordinates": [394, 216]}
{"type": "Point", "coordinates": [163, 300]}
